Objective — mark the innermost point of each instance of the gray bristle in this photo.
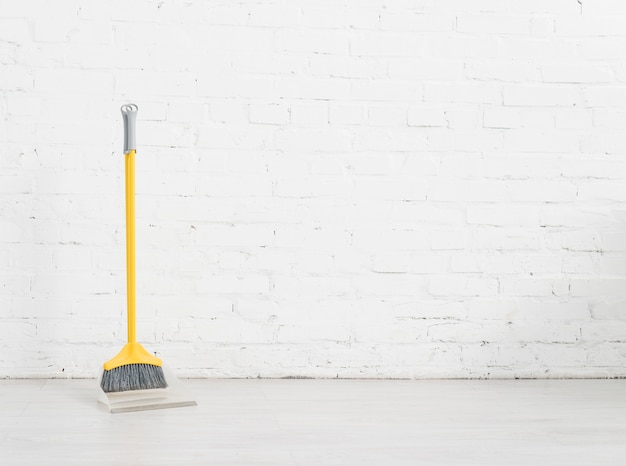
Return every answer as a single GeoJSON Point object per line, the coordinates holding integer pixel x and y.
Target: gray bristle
{"type": "Point", "coordinates": [133, 377]}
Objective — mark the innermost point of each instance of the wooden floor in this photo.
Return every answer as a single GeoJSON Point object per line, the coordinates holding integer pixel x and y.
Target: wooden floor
{"type": "Point", "coordinates": [322, 422]}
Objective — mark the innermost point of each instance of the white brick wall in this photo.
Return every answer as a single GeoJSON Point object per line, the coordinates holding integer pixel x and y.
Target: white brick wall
{"type": "Point", "coordinates": [338, 188]}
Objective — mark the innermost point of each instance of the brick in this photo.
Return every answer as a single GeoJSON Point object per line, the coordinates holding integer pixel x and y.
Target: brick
{"type": "Point", "coordinates": [464, 117]}
{"type": "Point", "coordinates": [377, 187]}
{"type": "Point", "coordinates": [514, 48]}
{"type": "Point", "coordinates": [385, 115]}
{"type": "Point", "coordinates": [337, 66]}
{"type": "Point", "coordinates": [507, 71]}
{"type": "Point", "coordinates": [426, 115]}
{"type": "Point", "coordinates": [609, 118]}
{"type": "Point", "coordinates": [601, 48]}
{"type": "Point", "coordinates": [503, 215]}
{"type": "Point", "coordinates": [458, 286]}
{"type": "Point", "coordinates": [462, 48]}
{"type": "Point", "coordinates": [493, 24]}
{"type": "Point", "coordinates": [604, 96]}
{"type": "Point", "coordinates": [605, 8]}
{"type": "Point", "coordinates": [232, 87]}
{"type": "Point", "coordinates": [541, 95]}
{"type": "Point", "coordinates": [311, 41]}
{"type": "Point", "coordinates": [309, 114]}
{"type": "Point", "coordinates": [308, 88]}
{"type": "Point", "coordinates": [463, 92]}
{"type": "Point", "coordinates": [271, 113]}
{"type": "Point", "coordinates": [186, 112]}
{"type": "Point", "coordinates": [576, 73]}
{"type": "Point", "coordinates": [347, 114]}
{"type": "Point", "coordinates": [415, 21]}
{"type": "Point", "coordinates": [464, 141]}
{"type": "Point", "coordinates": [385, 90]}
{"type": "Point", "coordinates": [456, 190]}
{"type": "Point", "coordinates": [322, 140]}
{"type": "Point", "coordinates": [541, 141]}
{"type": "Point", "coordinates": [426, 68]}
{"type": "Point", "coordinates": [389, 139]}
{"type": "Point", "coordinates": [385, 44]}
{"type": "Point", "coordinates": [574, 119]}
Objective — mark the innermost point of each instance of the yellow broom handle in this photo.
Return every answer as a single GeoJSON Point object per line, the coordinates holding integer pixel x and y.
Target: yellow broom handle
{"type": "Point", "coordinates": [130, 245]}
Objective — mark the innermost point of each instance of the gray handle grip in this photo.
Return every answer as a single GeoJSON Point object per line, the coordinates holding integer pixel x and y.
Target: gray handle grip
{"type": "Point", "coordinates": [129, 113]}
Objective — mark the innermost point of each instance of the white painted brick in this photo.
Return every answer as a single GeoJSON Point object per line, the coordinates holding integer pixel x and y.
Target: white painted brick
{"type": "Point", "coordinates": [580, 26]}
{"type": "Point", "coordinates": [393, 139]}
{"type": "Point", "coordinates": [461, 47]}
{"type": "Point", "coordinates": [426, 68]}
{"type": "Point", "coordinates": [234, 87]}
{"type": "Point", "coordinates": [534, 286]}
{"type": "Point", "coordinates": [385, 115]}
{"type": "Point", "coordinates": [541, 26]}
{"type": "Point", "coordinates": [456, 190]}
{"type": "Point", "coordinates": [503, 215]}
{"type": "Point", "coordinates": [324, 17]}
{"type": "Point", "coordinates": [542, 191]}
{"type": "Point", "coordinates": [505, 238]}
{"type": "Point", "coordinates": [426, 115]}
{"type": "Point", "coordinates": [186, 112]}
{"type": "Point", "coordinates": [308, 88]}
{"type": "Point", "coordinates": [601, 190]}
{"type": "Point", "coordinates": [396, 238]}
{"type": "Point", "coordinates": [576, 73]}
{"type": "Point", "coordinates": [458, 286]}
{"type": "Point", "coordinates": [605, 96]}
{"type": "Point", "coordinates": [538, 49]}
{"type": "Point", "coordinates": [322, 140]}
{"type": "Point", "coordinates": [491, 264]}
{"type": "Point", "coordinates": [604, 142]}
{"type": "Point", "coordinates": [311, 41]}
{"type": "Point", "coordinates": [337, 66]}
{"type": "Point", "coordinates": [378, 164]}
{"type": "Point", "coordinates": [415, 21]}
{"type": "Point", "coordinates": [466, 92]}
{"type": "Point", "coordinates": [493, 24]}
{"type": "Point", "coordinates": [541, 95]}
{"type": "Point", "coordinates": [601, 48]}
{"type": "Point", "coordinates": [318, 186]}
{"type": "Point", "coordinates": [465, 117]}
{"type": "Point", "coordinates": [15, 30]}
{"type": "Point", "coordinates": [541, 141]}
{"type": "Point", "coordinates": [386, 90]}
{"type": "Point", "coordinates": [377, 187]}
{"type": "Point", "coordinates": [259, 62]}
{"type": "Point", "coordinates": [16, 80]}
{"type": "Point", "coordinates": [309, 114]}
{"type": "Point", "coordinates": [347, 114]}
{"type": "Point", "coordinates": [444, 240]}
{"type": "Point", "coordinates": [232, 137]}
{"type": "Point", "coordinates": [269, 113]}
{"type": "Point", "coordinates": [465, 141]}
{"type": "Point", "coordinates": [605, 8]}
{"type": "Point", "coordinates": [509, 71]}
{"type": "Point", "coordinates": [574, 119]}
{"type": "Point", "coordinates": [228, 111]}
{"type": "Point", "coordinates": [609, 118]}
{"type": "Point", "coordinates": [383, 43]}
{"type": "Point", "coordinates": [271, 15]}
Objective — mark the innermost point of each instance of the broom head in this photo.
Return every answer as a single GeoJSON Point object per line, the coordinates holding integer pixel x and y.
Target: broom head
{"type": "Point", "coordinates": [134, 368]}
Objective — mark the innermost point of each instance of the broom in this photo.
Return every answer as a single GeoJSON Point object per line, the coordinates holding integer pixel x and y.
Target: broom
{"type": "Point", "coordinates": [134, 368]}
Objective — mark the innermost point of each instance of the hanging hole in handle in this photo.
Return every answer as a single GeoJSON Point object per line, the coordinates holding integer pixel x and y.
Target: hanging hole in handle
{"type": "Point", "coordinates": [128, 108]}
